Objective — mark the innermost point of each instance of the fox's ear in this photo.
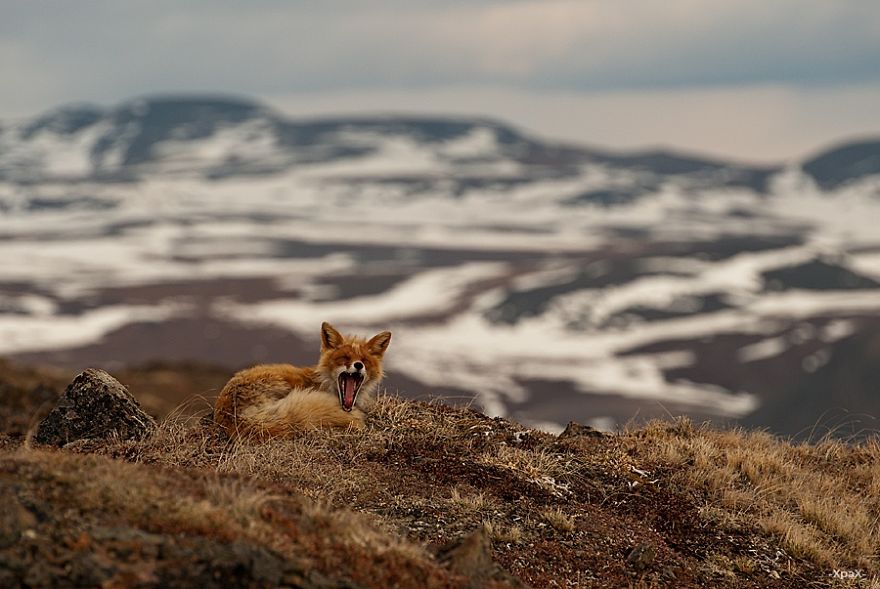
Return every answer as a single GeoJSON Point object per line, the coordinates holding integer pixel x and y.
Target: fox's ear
{"type": "Point", "coordinates": [330, 338]}
{"type": "Point", "coordinates": [379, 343]}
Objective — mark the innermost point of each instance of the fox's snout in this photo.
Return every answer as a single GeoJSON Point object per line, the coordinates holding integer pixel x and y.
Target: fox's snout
{"type": "Point", "coordinates": [352, 363]}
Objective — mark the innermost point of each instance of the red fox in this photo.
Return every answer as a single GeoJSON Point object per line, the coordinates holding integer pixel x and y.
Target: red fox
{"type": "Point", "coordinates": [278, 399]}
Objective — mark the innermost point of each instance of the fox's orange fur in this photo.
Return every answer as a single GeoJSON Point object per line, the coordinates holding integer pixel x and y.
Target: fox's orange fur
{"type": "Point", "coordinates": [278, 399]}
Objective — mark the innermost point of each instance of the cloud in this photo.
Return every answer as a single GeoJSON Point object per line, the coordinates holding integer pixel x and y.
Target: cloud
{"type": "Point", "coordinates": [24, 78]}
{"type": "Point", "coordinates": [101, 47]}
{"type": "Point", "coordinates": [582, 44]}
{"type": "Point", "coordinates": [56, 51]}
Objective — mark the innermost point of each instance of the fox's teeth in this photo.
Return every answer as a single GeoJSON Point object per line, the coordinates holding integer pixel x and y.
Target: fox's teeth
{"type": "Point", "coordinates": [348, 383]}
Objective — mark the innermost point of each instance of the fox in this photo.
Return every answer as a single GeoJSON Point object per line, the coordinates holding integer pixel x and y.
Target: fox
{"type": "Point", "coordinates": [277, 400]}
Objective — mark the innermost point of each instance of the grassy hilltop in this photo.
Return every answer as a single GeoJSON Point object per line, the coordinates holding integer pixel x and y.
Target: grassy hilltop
{"type": "Point", "coordinates": [427, 496]}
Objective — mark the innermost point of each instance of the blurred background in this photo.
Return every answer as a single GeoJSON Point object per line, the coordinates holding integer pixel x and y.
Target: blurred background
{"type": "Point", "coordinates": [564, 210]}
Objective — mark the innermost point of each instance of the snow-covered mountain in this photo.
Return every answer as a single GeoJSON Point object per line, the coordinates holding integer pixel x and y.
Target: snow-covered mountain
{"type": "Point", "coordinates": [214, 138]}
{"type": "Point", "coordinates": [552, 281]}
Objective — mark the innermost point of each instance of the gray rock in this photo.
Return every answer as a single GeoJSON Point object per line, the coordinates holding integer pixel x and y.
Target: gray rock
{"type": "Point", "coordinates": [576, 430]}
{"type": "Point", "coordinates": [471, 557]}
{"type": "Point", "coordinates": [641, 557]}
{"type": "Point", "coordinates": [95, 406]}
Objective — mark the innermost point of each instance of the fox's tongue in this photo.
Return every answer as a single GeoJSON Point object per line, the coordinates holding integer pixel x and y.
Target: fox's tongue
{"type": "Point", "coordinates": [349, 387]}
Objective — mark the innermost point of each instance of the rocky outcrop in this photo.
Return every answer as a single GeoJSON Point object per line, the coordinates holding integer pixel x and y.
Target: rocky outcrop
{"type": "Point", "coordinates": [95, 406]}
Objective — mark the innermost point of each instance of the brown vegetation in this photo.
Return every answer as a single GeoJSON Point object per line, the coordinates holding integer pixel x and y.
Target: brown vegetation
{"type": "Point", "coordinates": [669, 504]}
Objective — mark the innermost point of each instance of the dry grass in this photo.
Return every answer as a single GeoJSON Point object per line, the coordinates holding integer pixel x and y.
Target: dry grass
{"type": "Point", "coordinates": [309, 534]}
{"type": "Point", "coordinates": [387, 473]}
{"type": "Point", "coordinates": [468, 499]}
{"type": "Point", "coordinates": [561, 521]}
{"type": "Point", "coordinates": [745, 565]}
{"type": "Point", "coordinates": [502, 533]}
{"type": "Point", "coordinates": [820, 499]}
{"type": "Point", "coordinates": [242, 503]}
{"type": "Point", "coordinates": [147, 500]}
{"type": "Point", "coordinates": [335, 466]}
{"type": "Point", "coordinates": [715, 505]}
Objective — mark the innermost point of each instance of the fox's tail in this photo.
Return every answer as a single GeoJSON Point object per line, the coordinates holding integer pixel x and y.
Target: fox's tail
{"type": "Point", "coordinates": [298, 410]}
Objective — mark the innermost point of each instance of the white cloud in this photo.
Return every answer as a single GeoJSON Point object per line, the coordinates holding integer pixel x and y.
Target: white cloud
{"type": "Point", "coordinates": [575, 44]}
{"type": "Point", "coordinates": [652, 62]}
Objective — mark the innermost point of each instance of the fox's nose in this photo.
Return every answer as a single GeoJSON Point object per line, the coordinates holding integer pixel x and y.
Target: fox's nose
{"type": "Point", "coordinates": [358, 365]}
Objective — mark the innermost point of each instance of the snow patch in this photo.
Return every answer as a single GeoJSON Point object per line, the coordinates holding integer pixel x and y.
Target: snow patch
{"type": "Point", "coordinates": [428, 293]}
{"type": "Point", "coordinates": [763, 349]}
{"type": "Point", "coordinates": [479, 143]}
{"type": "Point", "coordinates": [20, 334]}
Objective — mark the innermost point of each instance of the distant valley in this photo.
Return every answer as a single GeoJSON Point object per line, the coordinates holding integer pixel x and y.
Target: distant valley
{"type": "Point", "coordinates": [546, 282]}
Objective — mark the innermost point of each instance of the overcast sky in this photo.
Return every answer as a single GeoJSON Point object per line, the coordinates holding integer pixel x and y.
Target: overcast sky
{"type": "Point", "coordinates": [751, 79]}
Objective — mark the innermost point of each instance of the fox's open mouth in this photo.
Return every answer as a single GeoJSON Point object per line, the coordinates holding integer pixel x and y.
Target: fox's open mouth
{"type": "Point", "coordinates": [349, 385]}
